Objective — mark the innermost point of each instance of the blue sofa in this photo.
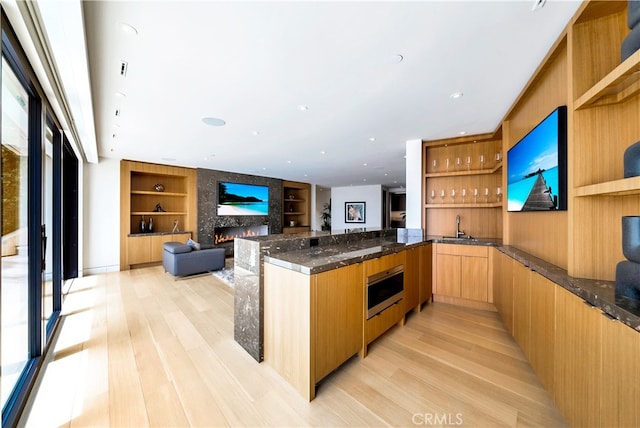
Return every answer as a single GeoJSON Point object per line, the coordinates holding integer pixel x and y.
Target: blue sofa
{"type": "Point", "coordinates": [181, 259]}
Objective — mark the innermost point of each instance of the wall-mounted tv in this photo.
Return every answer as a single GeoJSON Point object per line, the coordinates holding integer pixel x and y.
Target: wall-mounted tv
{"type": "Point", "coordinates": [242, 199]}
{"type": "Point", "coordinates": [537, 167]}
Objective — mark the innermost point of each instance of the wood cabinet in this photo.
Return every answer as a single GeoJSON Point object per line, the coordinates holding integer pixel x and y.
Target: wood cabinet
{"type": "Point", "coordinates": [542, 328]}
{"type": "Point", "coordinates": [312, 323]}
{"type": "Point", "coordinates": [587, 361]}
{"type": "Point", "coordinates": [148, 248]}
{"type": "Point", "coordinates": [461, 274]}
{"type": "Point", "coordinates": [339, 297]}
{"type": "Point", "coordinates": [522, 305]}
{"type": "Point", "coordinates": [412, 279]}
{"type": "Point", "coordinates": [163, 193]}
{"type": "Point", "coordinates": [578, 377]}
{"type": "Point", "coordinates": [296, 207]}
{"type": "Point", "coordinates": [503, 287]}
{"type": "Point", "coordinates": [475, 184]}
{"type": "Point", "coordinates": [426, 274]}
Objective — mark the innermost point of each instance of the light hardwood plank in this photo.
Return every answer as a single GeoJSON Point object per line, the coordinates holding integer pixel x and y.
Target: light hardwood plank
{"type": "Point", "coordinates": [139, 349]}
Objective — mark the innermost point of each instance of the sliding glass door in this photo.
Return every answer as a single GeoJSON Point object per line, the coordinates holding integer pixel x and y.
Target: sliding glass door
{"type": "Point", "coordinates": [33, 220]}
{"type": "Point", "coordinates": [14, 281]}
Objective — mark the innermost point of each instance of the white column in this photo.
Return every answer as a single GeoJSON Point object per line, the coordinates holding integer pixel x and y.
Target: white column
{"type": "Point", "coordinates": [414, 184]}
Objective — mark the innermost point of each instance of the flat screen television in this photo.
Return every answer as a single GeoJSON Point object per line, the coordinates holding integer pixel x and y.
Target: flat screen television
{"type": "Point", "coordinates": [242, 199]}
{"type": "Point", "coordinates": [537, 167]}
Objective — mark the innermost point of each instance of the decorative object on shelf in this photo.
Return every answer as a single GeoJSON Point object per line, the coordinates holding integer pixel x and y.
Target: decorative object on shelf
{"type": "Point", "coordinates": [290, 208]}
{"type": "Point", "coordinates": [150, 227]}
{"type": "Point", "coordinates": [628, 272]}
{"type": "Point", "coordinates": [291, 196]}
{"type": "Point", "coordinates": [143, 225]}
{"type": "Point", "coordinates": [442, 193]}
{"type": "Point", "coordinates": [498, 193]}
{"type": "Point", "coordinates": [292, 223]}
{"type": "Point", "coordinates": [354, 212]}
{"type": "Point", "coordinates": [175, 227]}
{"type": "Point", "coordinates": [159, 187]}
{"type": "Point", "coordinates": [463, 192]}
{"type": "Point", "coordinates": [159, 209]}
{"type": "Point", "coordinates": [631, 238]}
{"type": "Point", "coordinates": [632, 160]}
{"type": "Point", "coordinates": [475, 195]}
{"type": "Point", "coordinates": [631, 43]}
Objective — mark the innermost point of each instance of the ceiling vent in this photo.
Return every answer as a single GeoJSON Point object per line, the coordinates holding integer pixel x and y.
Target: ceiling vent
{"type": "Point", "coordinates": [124, 65]}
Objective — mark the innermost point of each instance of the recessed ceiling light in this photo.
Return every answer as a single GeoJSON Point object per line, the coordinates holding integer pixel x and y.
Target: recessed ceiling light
{"type": "Point", "coordinates": [396, 59]}
{"type": "Point", "coordinates": [462, 132]}
{"type": "Point", "coordinates": [303, 107]}
{"type": "Point", "coordinates": [538, 4]}
{"type": "Point", "coordinates": [255, 133]}
{"type": "Point", "coordinates": [121, 95]}
{"type": "Point", "coordinates": [288, 161]}
{"type": "Point", "coordinates": [456, 95]}
{"type": "Point", "coordinates": [372, 139]}
{"type": "Point", "coordinates": [364, 179]}
{"type": "Point", "coordinates": [322, 152]}
{"type": "Point", "coordinates": [364, 164]}
{"type": "Point", "coordinates": [213, 121]}
{"type": "Point", "coordinates": [128, 29]}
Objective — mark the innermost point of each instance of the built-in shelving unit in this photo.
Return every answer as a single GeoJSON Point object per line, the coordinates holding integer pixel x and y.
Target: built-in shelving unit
{"type": "Point", "coordinates": [163, 193]}
{"type": "Point", "coordinates": [605, 123]}
{"type": "Point", "coordinates": [296, 206]}
{"type": "Point", "coordinates": [471, 165]}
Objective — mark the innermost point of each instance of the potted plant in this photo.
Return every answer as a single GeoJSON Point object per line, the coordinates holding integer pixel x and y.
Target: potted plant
{"type": "Point", "coordinates": [326, 216]}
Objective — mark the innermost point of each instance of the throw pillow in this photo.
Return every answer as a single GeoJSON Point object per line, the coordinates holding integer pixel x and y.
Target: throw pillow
{"type": "Point", "coordinates": [193, 244]}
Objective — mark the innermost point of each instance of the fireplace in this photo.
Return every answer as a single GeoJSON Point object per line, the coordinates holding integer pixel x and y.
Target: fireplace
{"type": "Point", "coordinates": [228, 234]}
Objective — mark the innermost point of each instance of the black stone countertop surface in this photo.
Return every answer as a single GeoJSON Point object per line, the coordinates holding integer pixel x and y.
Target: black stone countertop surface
{"type": "Point", "coordinates": [598, 293]}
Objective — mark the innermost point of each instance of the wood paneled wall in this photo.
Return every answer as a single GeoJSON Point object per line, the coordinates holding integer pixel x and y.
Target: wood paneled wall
{"type": "Point", "coordinates": [542, 234]}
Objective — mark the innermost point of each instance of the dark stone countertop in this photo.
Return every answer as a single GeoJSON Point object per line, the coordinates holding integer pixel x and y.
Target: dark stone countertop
{"type": "Point", "coordinates": [314, 260]}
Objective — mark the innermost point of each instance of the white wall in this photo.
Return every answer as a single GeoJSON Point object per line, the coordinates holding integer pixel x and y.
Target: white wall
{"type": "Point", "coordinates": [372, 195]}
{"type": "Point", "coordinates": [414, 184]}
{"type": "Point", "coordinates": [101, 217]}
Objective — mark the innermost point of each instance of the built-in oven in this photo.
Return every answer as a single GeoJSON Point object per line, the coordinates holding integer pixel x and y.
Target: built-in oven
{"type": "Point", "coordinates": [384, 289]}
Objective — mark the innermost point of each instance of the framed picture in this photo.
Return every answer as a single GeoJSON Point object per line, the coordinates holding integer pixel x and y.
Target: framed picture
{"type": "Point", "coordinates": [354, 212]}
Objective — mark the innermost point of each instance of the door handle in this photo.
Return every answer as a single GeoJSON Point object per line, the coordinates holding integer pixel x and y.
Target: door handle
{"type": "Point", "coordinates": [43, 236]}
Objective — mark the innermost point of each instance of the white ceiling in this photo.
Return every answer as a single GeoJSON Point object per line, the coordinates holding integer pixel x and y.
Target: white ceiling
{"type": "Point", "coordinates": [253, 64]}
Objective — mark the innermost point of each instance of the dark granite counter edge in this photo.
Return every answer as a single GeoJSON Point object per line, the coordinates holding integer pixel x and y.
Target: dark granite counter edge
{"type": "Point", "coordinates": [598, 293]}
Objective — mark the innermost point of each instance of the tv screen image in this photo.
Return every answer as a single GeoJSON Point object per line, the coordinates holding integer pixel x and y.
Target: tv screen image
{"type": "Point", "coordinates": [537, 167]}
{"type": "Point", "coordinates": [242, 199]}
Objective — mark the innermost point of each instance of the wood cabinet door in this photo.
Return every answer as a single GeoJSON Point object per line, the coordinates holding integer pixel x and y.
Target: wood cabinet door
{"type": "Point", "coordinates": [543, 323]}
{"type": "Point", "coordinates": [578, 360]}
{"type": "Point", "coordinates": [473, 282]}
{"type": "Point", "coordinates": [157, 248]}
{"type": "Point", "coordinates": [139, 249]}
{"type": "Point", "coordinates": [426, 272]}
{"type": "Point", "coordinates": [448, 275]}
{"type": "Point", "coordinates": [620, 375]}
{"type": "Point", "coordinates": [522, 306]}
{"type": "Point", "coordinates": [339, 308]}
{"type": "Point", "coordinates": [412, 279]}
{"type": "Point", "coordinates": [503, 288]}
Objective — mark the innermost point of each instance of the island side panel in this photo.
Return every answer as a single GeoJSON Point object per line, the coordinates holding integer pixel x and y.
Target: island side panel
{"type": "Point", "coordinates": [288, 322]}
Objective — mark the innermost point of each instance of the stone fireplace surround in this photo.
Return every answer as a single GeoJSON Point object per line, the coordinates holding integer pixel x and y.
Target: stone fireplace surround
{"type": "Point", "coordinates": [207, 218]}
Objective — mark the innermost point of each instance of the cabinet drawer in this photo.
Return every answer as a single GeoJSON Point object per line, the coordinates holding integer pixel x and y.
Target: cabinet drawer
{"type": "Point", "coordinates": [463, 250]}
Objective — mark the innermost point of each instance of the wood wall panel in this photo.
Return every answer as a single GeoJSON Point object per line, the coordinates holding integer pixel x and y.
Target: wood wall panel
{"type": "Point", "coordinates": [541, 234]}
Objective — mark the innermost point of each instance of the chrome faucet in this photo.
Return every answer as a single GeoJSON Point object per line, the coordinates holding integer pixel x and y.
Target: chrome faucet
{"type": "Point", "coordinates": [459, 233]}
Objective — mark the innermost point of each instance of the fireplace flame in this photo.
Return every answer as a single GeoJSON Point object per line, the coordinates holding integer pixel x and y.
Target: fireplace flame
{"type": "Point", "coordinates": [235, 232]}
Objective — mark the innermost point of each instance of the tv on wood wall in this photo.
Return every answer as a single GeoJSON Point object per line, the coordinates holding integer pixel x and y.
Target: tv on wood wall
{"type": "Point", "coordinates": [242, 199]}
{"type": "Point", "coordinates": [537, 167]}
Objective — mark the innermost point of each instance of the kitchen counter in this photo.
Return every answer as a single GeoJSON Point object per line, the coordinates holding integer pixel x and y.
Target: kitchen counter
{"type": "Point", "coordinates": [598, 293]}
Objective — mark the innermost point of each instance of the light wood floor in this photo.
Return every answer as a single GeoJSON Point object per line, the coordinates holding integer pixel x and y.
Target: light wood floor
{"type": "Point", "coordinates": [137, 348]}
